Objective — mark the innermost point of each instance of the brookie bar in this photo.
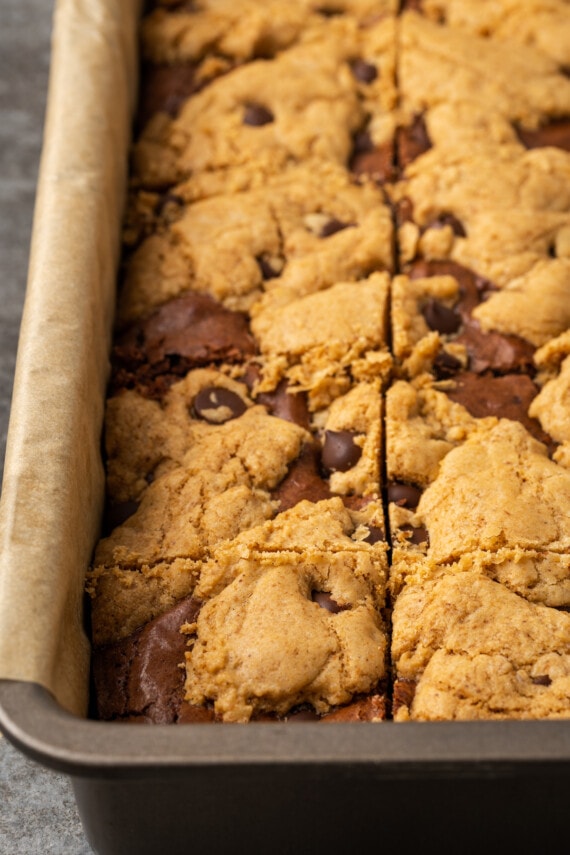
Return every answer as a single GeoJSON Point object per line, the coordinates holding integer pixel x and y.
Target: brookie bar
{"type": "Point", "coordinates": [338, 416]}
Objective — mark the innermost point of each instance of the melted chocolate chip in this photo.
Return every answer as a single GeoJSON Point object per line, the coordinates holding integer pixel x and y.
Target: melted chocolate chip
{"type": "Point", "coordinates": [325, 601]}
{"type": "Point", "coordinates": [302, 481]}
{"type": "Point", "coordinates": [291, 406]}
{"type": "Point", "coordinates": [440, 318]}
{"type": "Point", "coordinates": [364, 71]}
{"type": "Point", "coordinates": [445, 365]}
{"type": "Point", "coordinates": [340, 452]}
{"type": "Point", "coordinates": [405, 495]}
{"type": "Point", "coordinates": [257, 115]}
{"type": "Point", "coordinates": [218, 405]}
{"type": "Point", "coordinates": [332, 227]}
{"type": "Point", "coordinates": [416, 534]}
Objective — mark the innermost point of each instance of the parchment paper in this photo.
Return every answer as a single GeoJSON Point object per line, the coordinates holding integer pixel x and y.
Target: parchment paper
{"type": "Point", "coordinates": [53, 480]}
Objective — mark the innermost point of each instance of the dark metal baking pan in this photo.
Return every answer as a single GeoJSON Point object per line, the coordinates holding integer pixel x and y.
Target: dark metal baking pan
{"type": "Point", "coordinates": [284, 788]}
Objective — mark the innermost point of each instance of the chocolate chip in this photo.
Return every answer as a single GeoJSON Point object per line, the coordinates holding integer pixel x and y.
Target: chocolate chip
{"type": "Point", "coordinates": [542, 680]}
{"type": "Point", "coordinates": [440, 318]}
{"type": "Point", "coordinates": [445, 365]}
{"type": "Point", "coordinates": [364, 72]}
{"type": "Point", "coordinates": [416, 535]}
{"type": "Point", "coordinates": [405, 495]}
{"type": "Point", "coordinates": [449, 220]}
{"type": "Point", "coordinates": [375, 535]}
{"type": "Point", "coordinates": [217, 405]}
{"type": "Point", "coordinates": [340, 452]}
{"type": "Point", "coordinates": [257, 115]}
{"type": "Point", "coordinates": [325, 601]}
{"type": "Point", "coordinates": [332, 227]}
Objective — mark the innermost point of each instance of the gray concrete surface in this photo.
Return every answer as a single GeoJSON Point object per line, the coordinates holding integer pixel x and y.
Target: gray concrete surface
{"type": "Point", "coordinates": [37, 808]}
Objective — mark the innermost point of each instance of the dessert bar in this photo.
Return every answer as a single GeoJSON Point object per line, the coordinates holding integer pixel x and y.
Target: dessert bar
{"type": "Point", "coordinates": [337, 427]}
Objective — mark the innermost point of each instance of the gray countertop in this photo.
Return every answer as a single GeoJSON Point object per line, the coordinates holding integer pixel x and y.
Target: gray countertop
{"type": "Point", "coordinates": [37, 807]}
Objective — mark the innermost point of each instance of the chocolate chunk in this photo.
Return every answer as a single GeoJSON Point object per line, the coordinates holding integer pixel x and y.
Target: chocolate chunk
{"type": "Point", "coordinates": [487, 350]}
{"type": "Point", "coordinates": [365, 72]}
{"type": "Point", "coordinates": [412, 141]}
{"type": "Point", "coordinates": [188, 332]}
{"type": "Point", "coordinates": [218, 405]}
{"type": "Point", "coordinates": [556, 133]}
{"type": "Point", "coordinates": [332, 227]}
{"type": "Point", "coordinates": [445, 365]}
{"type": "Point", "coordinates": [302, 481]}
{"type": "Point", "coordinates": [139, 678]}
{"type": "Point", "coordinates": [441, 318]}
{"type": "Point", "coordinates": [374, 162]}
{"type": "Point", "coordinates": [257, 115]}
{"type": "Point", "coordinates": [340, 452]}
{"type": "Point", "coordinates": [405, 495]}
{"type": "Point", "coordinates": [416, 534]}
{"type": "Point", "coordinates": [291, 406]}
{"type": "Point", "coordinates": [325, 601]}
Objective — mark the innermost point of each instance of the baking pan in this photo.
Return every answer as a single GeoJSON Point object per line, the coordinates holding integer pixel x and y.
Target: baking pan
{"type": "Point", "coordinates": [273, 788]}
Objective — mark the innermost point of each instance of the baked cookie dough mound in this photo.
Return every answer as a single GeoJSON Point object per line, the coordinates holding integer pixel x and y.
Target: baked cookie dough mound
{"type": "Point", "coordinates": [499, 488]}
{"type": "Point", "coordinates": [314, 227]}
{"type": "Point", "coordinates": [291, 628]}
{"type": "Point", "coordinates": [463, 648]}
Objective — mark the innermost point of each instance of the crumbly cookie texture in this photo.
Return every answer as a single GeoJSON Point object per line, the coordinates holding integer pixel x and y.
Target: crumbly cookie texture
{"type": "Point", "coordinates": [293, 626]}
{"type": "Point", "coordinates": [422, 426]}
{"type": "Point", "coordinates": [243, 30]}
{"type": "Point", "coordinates": [541, 24]}
{"type": "Point", "coordinates": [538, 576]}
{"type": "Point", "coordinates": [459, 640]}
{"type": "Point", "coordinates": [524, 504]}
{"type": "Point", "coordinates": [321, 343]}
{"type": "Point", "coordinates": [408, 323]}
{"type": "Point", "coordinates": [145, 438]}
{"type": "Point", "coordinates": [308, 528]}
{"type": "Point", "coordinates": [221, 487]}
{"type": "Point", "coordinates": [125, 598]}
{"type": "Point", "coordinates": [440, 64]}
{"type": "Point", "coordinates": [313, 227]}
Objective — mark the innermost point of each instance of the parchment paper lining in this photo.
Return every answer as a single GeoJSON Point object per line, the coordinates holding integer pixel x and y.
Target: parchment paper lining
{"type": "Point", "coordinates": [53, 480]}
